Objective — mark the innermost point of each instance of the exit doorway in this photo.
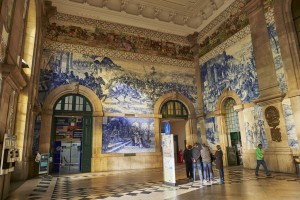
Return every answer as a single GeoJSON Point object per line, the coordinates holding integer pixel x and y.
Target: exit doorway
{"type": "Point", "coordinates": [72, 135]}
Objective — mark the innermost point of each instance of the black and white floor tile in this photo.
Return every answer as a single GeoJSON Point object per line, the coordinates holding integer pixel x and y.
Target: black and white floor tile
{"type": "Point", "coordinates": [93, 186]}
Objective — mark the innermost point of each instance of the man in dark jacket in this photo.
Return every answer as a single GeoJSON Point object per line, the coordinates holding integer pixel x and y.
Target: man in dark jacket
{"type": "Point", "coordinates": [219, 163]}
{"type": "Point", "coordinates": [196, 155]}
{"type": "Point", "coordinates": [187, 157]}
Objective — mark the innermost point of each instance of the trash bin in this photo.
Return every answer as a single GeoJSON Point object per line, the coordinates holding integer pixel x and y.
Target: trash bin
{"type": "Point", "coordinates": [297, 164]}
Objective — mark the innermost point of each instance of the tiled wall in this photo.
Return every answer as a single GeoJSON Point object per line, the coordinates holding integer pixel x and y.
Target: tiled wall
{"type": "Point", "coordinates": [122, 86]}
{"type": "Point", "coordinates": [234, 70]}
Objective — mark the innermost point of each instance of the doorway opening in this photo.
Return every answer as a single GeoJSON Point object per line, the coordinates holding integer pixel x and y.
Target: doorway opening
{"type": "Point", "coordinates": [176, 113]}
{"type": "Point", "coordinates": [234, 142]}
{"type": "Point", "coordinates": [72, 135]}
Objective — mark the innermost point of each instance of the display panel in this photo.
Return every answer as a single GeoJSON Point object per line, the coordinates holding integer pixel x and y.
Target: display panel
{"type": "Point", "coordinates": [128, 135]}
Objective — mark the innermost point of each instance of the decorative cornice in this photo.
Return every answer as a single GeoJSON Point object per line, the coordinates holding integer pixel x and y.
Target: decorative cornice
{"type": "Point", "coordinates": [185, 17]}
{"type": "Point", "coordinates": [58, 46]}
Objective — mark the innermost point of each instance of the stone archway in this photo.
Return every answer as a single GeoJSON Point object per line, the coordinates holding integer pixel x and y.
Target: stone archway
{"type": "Point", "coordinates": [221, 120]}
{"type": "Point", "coordinates": [47, 115]}
{"type": "Point", "coordinates": [222, 99]}
{"type": "Point", "coordinates": [191, 127]}
{"type": "Point", "coordinates": [73, 88]}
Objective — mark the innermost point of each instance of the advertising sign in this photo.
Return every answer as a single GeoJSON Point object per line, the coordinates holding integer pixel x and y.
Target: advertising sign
{"type": "Point", "coordinates": [168, 159]}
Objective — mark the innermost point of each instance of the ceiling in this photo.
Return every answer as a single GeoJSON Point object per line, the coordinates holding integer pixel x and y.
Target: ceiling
{"type": "Point", "coordinates": [180, 17]}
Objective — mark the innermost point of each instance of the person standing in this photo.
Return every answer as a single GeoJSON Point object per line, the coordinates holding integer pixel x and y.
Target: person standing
{"type": "Point", "coordinates": [260, 160]}
{"type": "Point", "coordinates": [187, 157]}
{"type": "Point", "coordinates": [206, 159]}
{"type": "Point", "coordinates": [219, 163]}
{"type": "Point", "coordinates": [196, 156]}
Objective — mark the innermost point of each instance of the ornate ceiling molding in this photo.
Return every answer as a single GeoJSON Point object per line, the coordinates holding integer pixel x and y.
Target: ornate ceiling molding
{"type": "Point", "coordinates": [180, 17]}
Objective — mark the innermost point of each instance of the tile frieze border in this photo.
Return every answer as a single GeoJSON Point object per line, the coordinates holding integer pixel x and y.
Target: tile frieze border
{"type": "Point", "coordinates": [59, 46]}
{"type": "Point", "coordinates": [222, 47]}
{"type": "Point", "coordinates": [120, 28]}
{"type": "Point", "coordinates": [234, 8]}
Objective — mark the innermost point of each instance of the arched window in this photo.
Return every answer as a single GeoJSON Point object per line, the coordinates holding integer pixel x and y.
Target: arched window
{"type": "Point", "coordinates": [296, 16]}
{"type": "Point", "coordinates": [174, 109]}
{"type": "Point", "coordinates": [73, 103]}
{"type": "Point", "coordinates": [232, 120]}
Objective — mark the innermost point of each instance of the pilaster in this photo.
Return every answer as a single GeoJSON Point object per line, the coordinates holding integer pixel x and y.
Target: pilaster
{"type": "Point", "coordinates": [267, 79]}
{"type": "Point", "coordinates": [278, 156]}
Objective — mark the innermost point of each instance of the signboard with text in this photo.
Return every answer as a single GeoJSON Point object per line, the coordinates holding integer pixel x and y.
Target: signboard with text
{"type": "Point", "coordinates": [168, 159]}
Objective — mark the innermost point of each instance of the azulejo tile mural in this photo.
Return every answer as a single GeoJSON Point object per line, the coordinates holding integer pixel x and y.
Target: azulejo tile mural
{"type": "Point", "coordinates": [234, 70]}
{"type": "Point", "coordinates": [234, 24]}
{"type": "Point", "coordinates": [260, 127]}
{"type": "Point", "coordinates": [254, 127]}
{"type": "Point", "coordinates": [127, 135]}
{"type": "Point", "coordinates": [290, 124]}
{"type": "Point", "coordinates": [114, 54]}
{"type": "Point", "coordinates": [117, 41]}
{"type": "Point", "coordinates": [122, 86]}
{"type": "Point", "coordinates": [118, 28]}
{"type": "Point", "coordinates": [232, 10]}
{"type": "Point", "coordinates": [249, 124]}
{"type": "Point", "coordinates": [212, 133]}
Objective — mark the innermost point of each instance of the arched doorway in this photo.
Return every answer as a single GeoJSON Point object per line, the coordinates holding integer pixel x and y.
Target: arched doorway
{"type": "Point", "coordinates": [71, 138]}
{"type": "Point", "coordinates": [234, 142]}
{"type": "Point", "coordinates": [176, 113]}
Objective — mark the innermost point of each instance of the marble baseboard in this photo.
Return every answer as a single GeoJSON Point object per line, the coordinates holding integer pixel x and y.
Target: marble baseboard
{"type": "Point", "coordinates": [126, 163]}
{"type": "Point", "coordinates": [275, 162]}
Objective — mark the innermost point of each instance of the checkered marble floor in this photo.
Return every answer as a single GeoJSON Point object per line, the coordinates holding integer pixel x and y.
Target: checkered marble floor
{"type": "Point", "coordinates": [136, 185]}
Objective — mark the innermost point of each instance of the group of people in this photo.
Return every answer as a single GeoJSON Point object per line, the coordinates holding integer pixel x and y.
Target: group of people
{"type": "Point", "coordinates": [200, 157]}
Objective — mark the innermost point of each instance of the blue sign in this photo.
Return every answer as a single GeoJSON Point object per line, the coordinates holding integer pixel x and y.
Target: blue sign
{"type": "Point", "coordinates": [167, 128]}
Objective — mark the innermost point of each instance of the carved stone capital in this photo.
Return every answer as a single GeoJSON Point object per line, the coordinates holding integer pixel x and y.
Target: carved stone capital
{"type": "Point", "coordinates": [239, 108]}
{"type": "Point", "coordinates": [14, 76]}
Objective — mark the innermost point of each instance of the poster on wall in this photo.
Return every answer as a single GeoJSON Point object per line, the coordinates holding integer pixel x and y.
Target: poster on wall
{"type": "Point", "coordinates": [168, 159]}
{"type": "Point", "coordinates": [68, 127]}
{"type": "Point", "coordinates": [127, 135]}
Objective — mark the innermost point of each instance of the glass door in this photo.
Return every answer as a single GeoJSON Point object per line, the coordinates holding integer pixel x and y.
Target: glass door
{"type": "Point", "coordinates": [67, 158]}
{"type": "Point", "coordinates": [70, 157]}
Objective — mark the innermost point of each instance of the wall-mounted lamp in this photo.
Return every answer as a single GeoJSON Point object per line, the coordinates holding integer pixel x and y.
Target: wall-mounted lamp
{"type": "Point", "coordinates": [24, 64]}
